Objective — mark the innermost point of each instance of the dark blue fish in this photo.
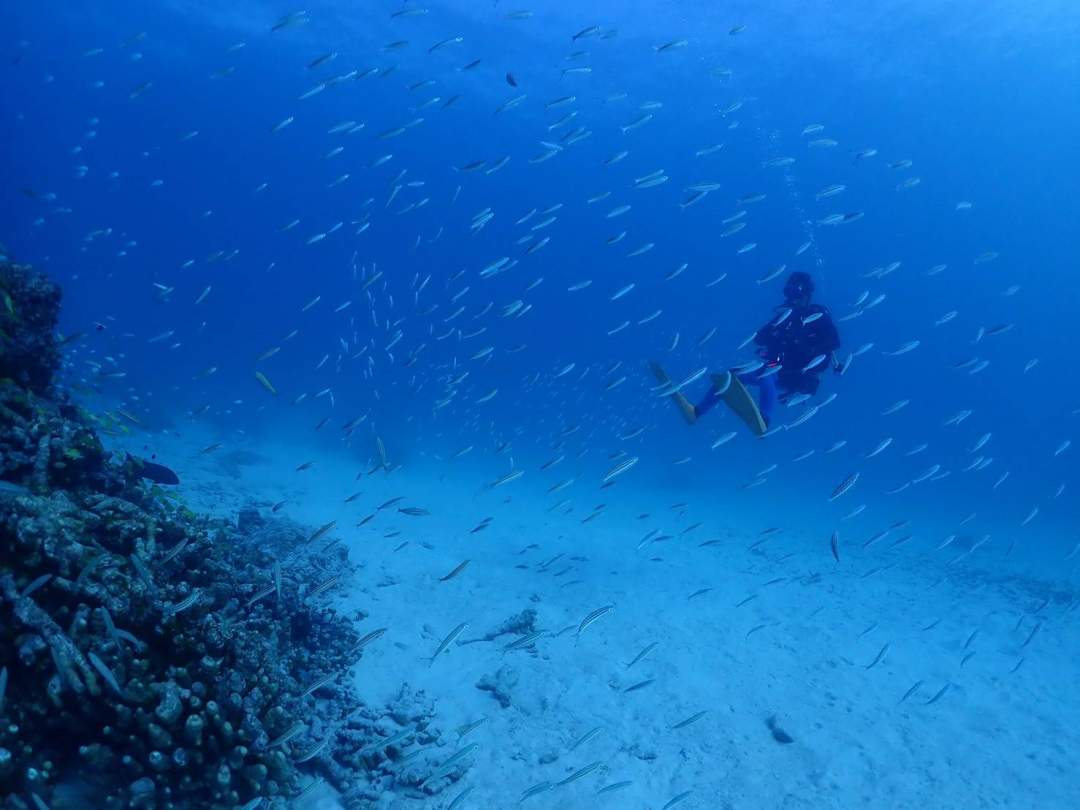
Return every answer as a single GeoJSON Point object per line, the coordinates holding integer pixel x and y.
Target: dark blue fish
{"type": "Point", "coordinates": [157, 473]}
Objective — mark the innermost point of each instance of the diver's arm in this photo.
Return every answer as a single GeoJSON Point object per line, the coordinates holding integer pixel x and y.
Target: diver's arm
{"type": "Point", "coordinates": [762, 336]}
{"type": "Point", "coordinates": [766, 335]}
{"type": "Point", "coordinates": [831, 340]}
{"type": "Point", "coordinates": [826, 338]}
{"type": "Point", "coordinates": [829, 337]}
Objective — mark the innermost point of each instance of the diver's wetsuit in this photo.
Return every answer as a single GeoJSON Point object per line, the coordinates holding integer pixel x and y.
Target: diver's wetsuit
{"type": "Point", "coordinates": [792, 343]}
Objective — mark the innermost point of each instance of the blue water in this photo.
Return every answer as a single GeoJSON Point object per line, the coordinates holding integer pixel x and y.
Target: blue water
{"type": "Point", "coordinates": [951, 91]}
{"type": "Point", "coordinates": [980, 97]}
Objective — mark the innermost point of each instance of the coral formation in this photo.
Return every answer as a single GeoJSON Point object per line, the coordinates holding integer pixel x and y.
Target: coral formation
{"type": "Point", "coordinates": [151, 657]}
{"type": "Point", "coordinates": [29, 304]}
{"type": "Point", "coordinates": [501, 684]}
{"type": "Point", "coordinates": [520, 624]}
{"type": "Point", "coordinates": [399, 751]}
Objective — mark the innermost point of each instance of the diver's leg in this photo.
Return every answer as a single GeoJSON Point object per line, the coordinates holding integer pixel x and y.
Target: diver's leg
{"type": "Point", "coordinates": [686, 408]}
{"type": "Point", "coordinates": [730, 388]}
{"type": "Point", "coordinates": [689, 411]}
{"type": "Point", "coordinates": [708, 402]}
{"type": "Point", "coordinates": [767, 393]}
{"type": "Point", "coordinates": [767, 396]}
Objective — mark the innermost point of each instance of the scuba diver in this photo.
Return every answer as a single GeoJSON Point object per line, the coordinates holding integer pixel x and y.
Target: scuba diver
{"type": "Point", "coordinates": [794, 349]}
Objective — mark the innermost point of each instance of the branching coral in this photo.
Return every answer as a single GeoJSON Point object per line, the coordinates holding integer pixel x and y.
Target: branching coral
{"type": "Point", "coordinates": [151, 656]}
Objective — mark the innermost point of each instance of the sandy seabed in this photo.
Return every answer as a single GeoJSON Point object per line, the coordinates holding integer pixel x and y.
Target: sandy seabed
{"type": "Point", "coordinates": [803, 665]}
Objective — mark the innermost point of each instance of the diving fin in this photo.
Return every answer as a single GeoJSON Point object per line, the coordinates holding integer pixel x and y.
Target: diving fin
{"type": "Point", "coordinates": [730, 389]}
{"type": "Point", "coordinates": [685, 406]}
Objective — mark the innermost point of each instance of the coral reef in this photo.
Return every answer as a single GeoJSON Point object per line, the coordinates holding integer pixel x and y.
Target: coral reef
{"type": "Point", "coordinates": [399, 751]}
{"type": "Point", "coordinates": [29, 304]}
{"type": "Point", "coordinates": [501, 684]}
{"type": "Point", "coordinates": [520, 624]}
{"type": "Point", "coordinates": [45, 442]}
{"type": "Point", "coordinates": [151, 657]}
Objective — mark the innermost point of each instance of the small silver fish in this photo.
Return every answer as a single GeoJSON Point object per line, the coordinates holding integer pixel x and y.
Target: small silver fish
{"type": "Point", "coordinates": [446, 642]}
